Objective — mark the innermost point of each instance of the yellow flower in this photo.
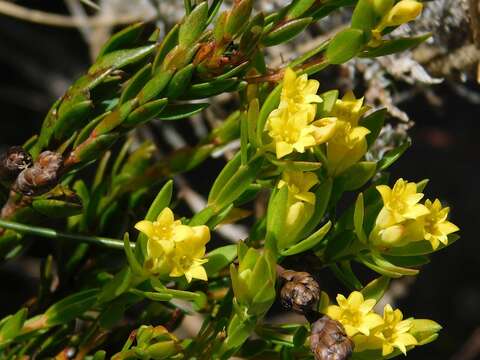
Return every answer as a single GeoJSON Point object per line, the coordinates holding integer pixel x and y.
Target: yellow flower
{"type": "Point", "coordinates": [435, 224]}
{"type": "Point", "coordinates": [400, 203]}
{"type": "Point", "coordinates": [291, 126]}
{"type": "Point", "coordinates": [173, 248]}
{"type": "Point", "coordinates": [346, 147]}
{"type": "Point", "coordinates": [403, 12]}
{"type": "Point", "coordinates": [290, 132]}
{"type": "Point", "coordinates": [349, 109]}
{"type": "Point", "coordinates": [395, 331]}
{"type": "Point", "coordinates": [299, 183]}
{"type": "Point", "coordinates": [355, 314]}
{"type": "Point", "coordinates": [299, 94]}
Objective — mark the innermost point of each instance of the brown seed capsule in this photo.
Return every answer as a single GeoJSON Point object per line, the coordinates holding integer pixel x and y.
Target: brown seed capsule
{"type": "Point", "coordinates": [41, 177]}
{"type": "Point", "coordinates": [300, 292]}
{"type": "Point", "coordinates": [329, 341]}
{"type": "Point", "coordinates": [13, 161]}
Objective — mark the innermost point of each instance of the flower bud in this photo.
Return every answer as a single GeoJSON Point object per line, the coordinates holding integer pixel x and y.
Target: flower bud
{"type": "Point", "coordinates": [403, 12]}
{"type": "Point", "coordinates": [13, 161]}
{"type": "Point", "coordinates": [329, 341]}
{"type": "Point", "coordinates": [300, 293]}
{"type": "Point", "coordinates": [41, 177]}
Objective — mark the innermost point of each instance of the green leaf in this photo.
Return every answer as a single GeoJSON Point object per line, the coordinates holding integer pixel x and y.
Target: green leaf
{"type": "Point", "coordinates": [220, 258]}
{"type": "Point", "coordinates": [154, 86]}
{"type": "Point", "coordinates": [337, 245]}
{"type": "Point", "coordinates": [57, 208]}
{"type": "Point", "coordinates": [422, 184]}
{"type": "Point", "coordinates": [357, 175]}
{"type": "Point", "coordinates": [72, 115]}
{"type": "Point", "coordinates": [90, 149]}
{"type": "Point", "coordinates": [420, 247]}
{"type": "Point", "coordinates": [393, 155]}
{"type": "Point", "coordinates": [243, 138]}
{"type": "Point", "coordinates": [329, 7]}
{"type": "Point", "coordinates": [322, 195]}
{"type": "Point", "coordinates": [212, 88]}
{"type": "Point", "coordinates": [145, 113]}
{"type": "Point", "coordinates": [365, 16]}
{"type": "Point", "coordinates": [424, 330]}
{"type": "Point", "coordinates": [137, 269]}
{"type": "Point", "coordinates": [117, 286]}
{"type": "Point", "coordinates": [180, 111]}
{"type": "Point", "coordinates": [122, 39]}
{"type": "Point", "coordinates": [358, 215]}
{"type": "Point", "coordinates": [298, 7]}
{"type": "Point", "coordinates": [325, 107]}
{"type": "Point", "coordinates": [374, 123]}
{"type": "Point", "coordinates": [136, 83]}
{"type": "Point", "coordinates": [168, 43]}
{"type": "Point", "coordinates": [376, 288]}
{"type": "Point", "coordinates": [252, 117]}
{"type": "Point", "coordinates": [12, 325]}
{"type": "Point", "coordinates": [238, 17]}
{"type": "Point", "coordinates": [310, 242]}
{"type": "Point", "coordinates": [193, 26]}
{"type": "Point", "coordinates": [120, 58]}
{"type": "Point", "coordinates": [286, 32]}
{"type": "Point", "coordinates": [237, 184]}
{"type": "Point", "coordinates": [225, 175]}
{"type": "Point", "coordinates": [180, 82]}
{"type": "Point", "coordinates": [270, 104]}
{"type": "Point", "coordinates": [71, 307]}
{"type": "Point", "coordinates": [388, 47]}
{"type": "Point", "coordinates": [276, 214]}
{"type": "Point", "coordinates": [345, 45]}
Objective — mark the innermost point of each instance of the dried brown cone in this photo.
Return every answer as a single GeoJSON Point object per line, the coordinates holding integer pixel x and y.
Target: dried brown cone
{"type": "Point", "coordinates": [13, 161]}
{"type": "Point", "coordinates": [300, 292]}
{"type": "Point", "coordinates": [329, 341]}
{"type": "Point", "coordinates": [41, 177]}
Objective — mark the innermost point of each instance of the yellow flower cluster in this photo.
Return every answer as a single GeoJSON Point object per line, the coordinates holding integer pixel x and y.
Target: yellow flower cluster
{"type": "Point", "coordinates": [403, 219]}
{"type": "Point", "coordinates": [367, 329]}
{"type": "Point", "coordinates": [175, 249]}
{"type": "Point", "coordinates": [348, 145]}
{"type": "Point", "coordinates": [293, 128]}
{"type": "Point", "coordinates": [292, 125]}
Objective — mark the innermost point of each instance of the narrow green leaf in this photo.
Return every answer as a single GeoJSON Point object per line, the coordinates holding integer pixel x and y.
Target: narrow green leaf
{"type": "Point", "coordinates": [358, 219]}
{"type": "Point", "coordinates": [12, 326]}
{"type": "Point", "coordinates": [180, 82]}
{"type": "Point", "coordinates": [220, 258]}
{"type": "Point", "coordinates": [345, 45]}
{"type": "Point", "coordinates": [136, 83]}
{"type": "Point", "coordinates": [193, 26]}
{"type": "Point", "coordinates": [71, 307]}
{"type": "Point", "coordinates": [122, 39]}
{"type": "Point", "coordinates": [310, 242]}
{"type": "Point", "coordinates": [376, 288]}
{"type": "Point", "coordinates": [393, 46]}
{"type": "Point", "coordinates": [180, 111]}
{"type": "Point", "coordinates": [270, 104]}
{"type": "Point", "coordinates": [286, 32]}
{"type": "Point", "coordinates": [393, 155]}
{"type": "Point", "coordinates": [145, 113]}
{"type": "Point", "coordinates": [374, 122]}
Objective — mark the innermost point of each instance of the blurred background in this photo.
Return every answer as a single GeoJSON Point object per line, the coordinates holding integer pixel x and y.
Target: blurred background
{"type": "Point", "coordinates": [432, 94]}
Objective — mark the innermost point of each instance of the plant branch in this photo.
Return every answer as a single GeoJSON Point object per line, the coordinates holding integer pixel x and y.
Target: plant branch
{"type": "Point", "coordinates": [53, 234]}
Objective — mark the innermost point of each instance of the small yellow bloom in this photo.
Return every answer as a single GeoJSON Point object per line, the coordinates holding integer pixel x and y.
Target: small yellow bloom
{"type": "Point", "coordinates": [349, 109]}
{"type": "Point", "coordinates": [299, 94]}
{"type": "Point", "coordinates": [403, 12]}
{"type": "Point", "coordinates": [299, 183]}
{"type": "Point", "coordinates": [435, 224]}
{"type": "Point", "coordinates": [400, 203]}
{"type": "Point", "coordinates": [173, 248]}
{"type": "Point", "coordinates": [398, 234]}
{"type": "Point", "coordinates": [290, 132]}
{"type": "Point", "coordinates": [394, 332]}
{"type": "Point", "coordinates": [355, 314]}
{"type": "Point", "coordinates": [291, 126]}
{"type": "Point", "coordinates": [346, 147]}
